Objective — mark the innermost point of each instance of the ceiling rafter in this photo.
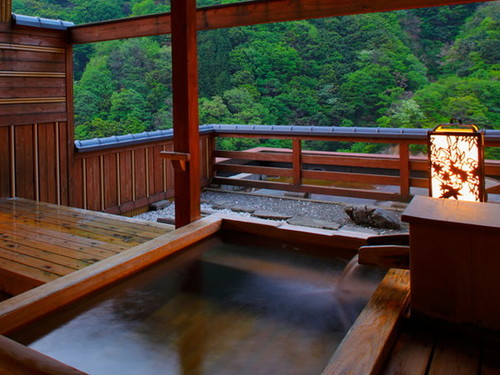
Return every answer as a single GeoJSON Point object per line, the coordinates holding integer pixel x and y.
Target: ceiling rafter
{"type": "Point", "coordinates": [244, 14]}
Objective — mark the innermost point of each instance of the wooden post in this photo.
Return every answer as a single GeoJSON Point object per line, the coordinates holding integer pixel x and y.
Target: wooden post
{"type": "Point", "coordinates": [185, 110]}
{"type": "Point", "coordinates": [404, 170]}
{"type": "Point", "coordinates": [297, 161]}
{"type": "Point", "coordinates": [5, 10]}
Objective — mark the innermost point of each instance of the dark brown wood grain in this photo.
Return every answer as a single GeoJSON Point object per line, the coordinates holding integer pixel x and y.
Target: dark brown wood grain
{"type": "Point", "coordinates": [5, 159]}
{"type": "Point", "coordinates": [242, 14]}
{"type": "Point", "coordinates": [185, 110]}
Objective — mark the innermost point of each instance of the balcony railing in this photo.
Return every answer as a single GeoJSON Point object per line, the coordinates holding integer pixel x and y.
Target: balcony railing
{"type": "Point", "coordinates": [123, 173]}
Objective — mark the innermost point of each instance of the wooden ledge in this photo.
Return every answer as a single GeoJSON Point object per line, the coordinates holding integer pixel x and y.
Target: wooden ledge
{"type": "Point", "coordinates": [178, 159]}
{"type": "Point", "coordinates": [370, 340]}
{"type": "Point", "coordinates": [19, 359]}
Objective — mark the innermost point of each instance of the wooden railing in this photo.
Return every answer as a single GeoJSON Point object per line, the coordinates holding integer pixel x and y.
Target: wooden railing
{"type": "Point", "coordinates": [373, 176]}
{"type": "Point", "coordinates": [120, 176]}
{"type": "Point", "coordinates": [121, 179]}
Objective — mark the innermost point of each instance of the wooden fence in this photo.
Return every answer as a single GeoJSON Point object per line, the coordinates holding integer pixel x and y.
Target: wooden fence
{"type": "Point", "coordinates": [372, 176]}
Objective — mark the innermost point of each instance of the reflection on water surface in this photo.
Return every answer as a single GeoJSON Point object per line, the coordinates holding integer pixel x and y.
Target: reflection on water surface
{"type": "Point", "coordinates": [222, 307]}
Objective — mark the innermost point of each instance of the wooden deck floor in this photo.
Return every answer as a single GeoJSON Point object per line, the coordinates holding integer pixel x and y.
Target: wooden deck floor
{"type": "Point", "coordinates": [425, 348]}
{"type": "Point", "coordinates": [40, 242]}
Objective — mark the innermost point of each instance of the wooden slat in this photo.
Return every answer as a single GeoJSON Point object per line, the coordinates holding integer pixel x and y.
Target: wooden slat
{"type": "Point", "coordinates": [370, 339]}
{"type": "Point", "coordinates": [33, 92]}
{"type": "Point", "coordinates": [54, 214]}
{"type": "Point", "coordinates": [93, 183]}
{"type": "Point", "coordinates": [30, 261]}
{"type": "Point", "coordinates": [43, 255]}
{"type": "Point", "coordinates": [352, 160]}
{"type": "Point", "coordinates": [260, 156]}
{"type": "Point", "coordinates": [40, 276]}
{"type": "Point", "coordinates": [64, 240]}
{"type": "Point", "coordinates": [66, 161]}
{"type": "Point", "coordinates": [4, 163]}
{"type": "Point", "coordinates": [412, 352]}
{"type": "Point", "coordinates": [30, 48]}
{"type": "Point", "coordinates": [125, 184]}
{"type": "Point", "coordinates": [140, 173]}
{"type": "Point", "coordinates": [82, 230]}
{"type": "Point", "coordinates": [24, 154]}
{"type": "Point", "coordinates": [242, 14]}
{"type": "Point", "coordinates": [99, 216]}
{"type": "Point", "coordinates": [14, 36]}
{"type": "Point", "coordinates": [454, 356]}
{"type": "Point", "coordinates": [351, 177]}
{"type": "Point", "coordinates": [86, 254]}
{"type": "Point", "coordinates": [343, 192]}
{"type": "Point", "coordinates": [47, 162]}
{"type": "Point", "coordinates": [239, 168]}
{"type": "Point", "coordinates": [23, 55]}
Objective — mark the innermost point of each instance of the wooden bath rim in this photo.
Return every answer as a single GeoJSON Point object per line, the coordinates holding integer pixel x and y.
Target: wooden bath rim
{"type": "Point", "coordinates": [362, 351]}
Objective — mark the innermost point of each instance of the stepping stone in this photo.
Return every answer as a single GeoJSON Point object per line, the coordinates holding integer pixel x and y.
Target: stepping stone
{"type": "Point", "coordinates": [221, 206]}
{"type": "Point", "coordinates": [242, 209]}
{"type": "Point", "coordinates": [306, 221]}
{"type": "Point", "coordinates": [166, 220]}
{"type": "Point", "coordinates": [294, 194]}
{"type": "Point", "coordinates": [160, 205]}
{"type": "Point", "coordinates": [270, 215]}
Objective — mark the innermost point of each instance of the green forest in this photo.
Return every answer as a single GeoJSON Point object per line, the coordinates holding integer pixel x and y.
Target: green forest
{"type": "Point", "coordinates": [415, 68]}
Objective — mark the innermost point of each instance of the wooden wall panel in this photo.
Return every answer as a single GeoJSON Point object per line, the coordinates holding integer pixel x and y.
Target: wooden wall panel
{"type": "Point", "coordinates": [126, 194]}
{"type": "Point", "coordinates": [157, 185]}
{"type": "Point", "coordinates": [24, 161]}
{"type": "Point", "coordinates": [47, 162]}
{"type": "Point", "coordinates": [33, 110]}
{"type": "Point", "coordinates": [5, 162]}
{"type": "Point", "coordinates": [140, 173]}
{"type": "Point", "coordinates": [110, 181]}
{"type": "Point", "coordinates": [63, 133]}
{"type": "Point", "coordinates": [32, 76]}
{"type": "Point", "coordinates": [77, 189]}
{"type": "Point", "coordinates": [92, 183]}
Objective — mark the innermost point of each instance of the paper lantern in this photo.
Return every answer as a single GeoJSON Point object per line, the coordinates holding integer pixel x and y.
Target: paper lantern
{"type": "Point", "coordinates": [456, 162]}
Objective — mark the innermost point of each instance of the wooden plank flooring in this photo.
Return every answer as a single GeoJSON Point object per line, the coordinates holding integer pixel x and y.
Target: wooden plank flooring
{"type": "Point", "coordinates": [40, 242]}
{"type": "Point", "coordinates": [430, 348]}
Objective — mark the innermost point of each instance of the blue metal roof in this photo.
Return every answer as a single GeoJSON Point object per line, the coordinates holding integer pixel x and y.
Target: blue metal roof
{"type": "Point", "coordinates": [45, 23]}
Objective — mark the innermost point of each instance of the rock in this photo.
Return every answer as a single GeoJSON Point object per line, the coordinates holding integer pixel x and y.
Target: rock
{"type": "Point", "coordinates": [372, 216]}
{"type": "Point", "coordinates": [306, 221]}
{"type": "Point", "coordinates": [160, 205]}
{"type": "Point", "coordinates": [270, 215]}
{"type": "Point", "coordinates": [166, 220]}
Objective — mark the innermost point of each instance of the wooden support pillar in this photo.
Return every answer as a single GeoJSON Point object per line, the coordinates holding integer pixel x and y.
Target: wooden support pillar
{"type": "Point", "coordinates": [185, 110]}
{"type": "Point", "coordinates": [404, 168]}
{"type": "Point", "coordinates": [5, 10]}
{"type": "Point", "coordinates": [297, 161]}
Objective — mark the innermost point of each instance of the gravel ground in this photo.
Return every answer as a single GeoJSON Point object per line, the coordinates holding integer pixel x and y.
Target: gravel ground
{"type": "Point", "coordinates": [331, 212]}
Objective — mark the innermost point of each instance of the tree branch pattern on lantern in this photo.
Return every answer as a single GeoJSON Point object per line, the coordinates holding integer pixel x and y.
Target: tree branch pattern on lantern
{"type": "Point", "coordinates": [455, 168]}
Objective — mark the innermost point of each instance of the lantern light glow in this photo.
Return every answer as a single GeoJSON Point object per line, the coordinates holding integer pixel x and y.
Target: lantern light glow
{"type": "Point", "coordinates": [456, 162]}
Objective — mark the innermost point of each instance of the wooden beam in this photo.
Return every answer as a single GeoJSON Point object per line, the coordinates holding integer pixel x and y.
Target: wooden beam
{"type": "Point", "coordinates": [185, 110]}
{"type": "Point", "coordinates": [243, 14]}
